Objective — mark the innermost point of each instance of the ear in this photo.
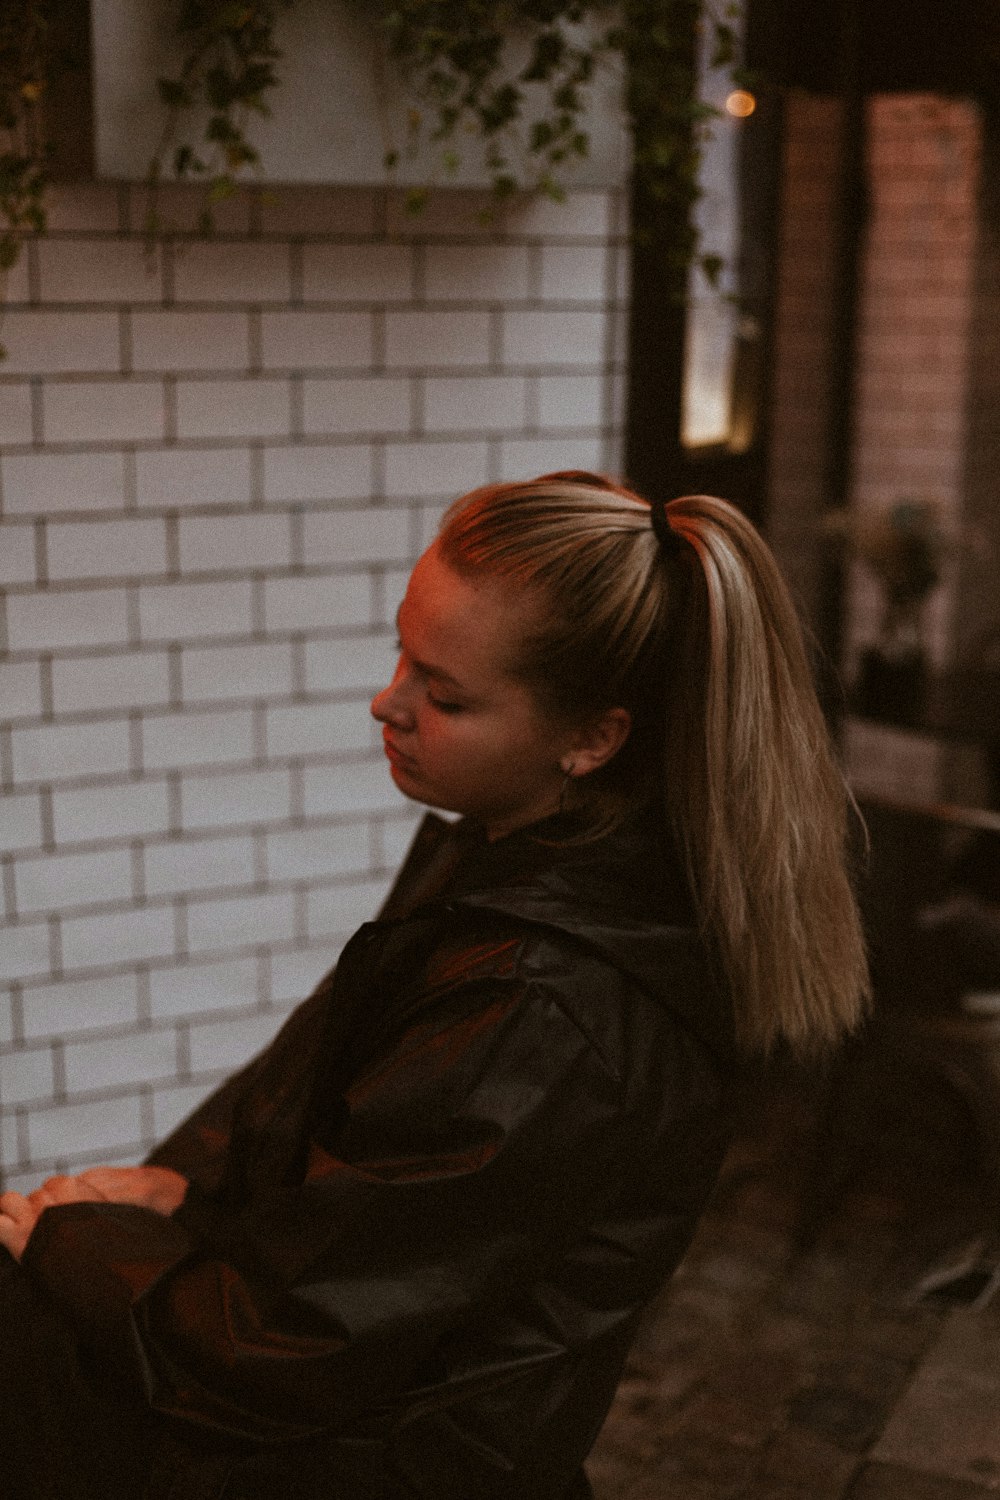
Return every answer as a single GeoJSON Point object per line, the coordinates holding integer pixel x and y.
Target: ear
{"type": "Point", "coordinates": [595, 744]}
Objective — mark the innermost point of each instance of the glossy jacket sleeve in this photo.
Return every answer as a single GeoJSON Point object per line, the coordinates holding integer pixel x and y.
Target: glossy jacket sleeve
{"type": "Point", "coordinates": [470, 1148]}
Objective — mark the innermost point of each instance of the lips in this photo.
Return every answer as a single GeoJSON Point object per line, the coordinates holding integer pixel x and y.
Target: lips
{"type": "Point", "coordinates": [395, 756]}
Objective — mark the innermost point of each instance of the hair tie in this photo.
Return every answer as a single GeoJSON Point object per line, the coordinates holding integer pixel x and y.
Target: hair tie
{"type": "Point", "coordinates": [670, 540]}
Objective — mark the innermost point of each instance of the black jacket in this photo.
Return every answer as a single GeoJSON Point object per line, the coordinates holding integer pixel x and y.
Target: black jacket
{"type": "Point", "coordinates": [422, 1225]}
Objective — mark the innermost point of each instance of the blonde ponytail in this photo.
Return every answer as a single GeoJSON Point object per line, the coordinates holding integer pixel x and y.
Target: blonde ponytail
{"type": "Point", "coordinates": [756, 802]}
{"type": "Point", "coordinates": [699, 640]}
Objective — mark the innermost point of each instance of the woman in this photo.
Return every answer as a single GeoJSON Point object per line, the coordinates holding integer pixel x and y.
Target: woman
{"type": "Point", "coordinates": [405, 1251]}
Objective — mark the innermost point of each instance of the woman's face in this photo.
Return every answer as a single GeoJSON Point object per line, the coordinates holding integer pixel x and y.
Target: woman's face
{"type": "Point", "coordinates": [460, 732]}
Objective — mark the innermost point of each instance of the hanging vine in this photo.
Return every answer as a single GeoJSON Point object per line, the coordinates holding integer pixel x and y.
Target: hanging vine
{"type": "Point", "coordinates": [24, 69]}
{"type": "Point", "coordinates": [529, 113]}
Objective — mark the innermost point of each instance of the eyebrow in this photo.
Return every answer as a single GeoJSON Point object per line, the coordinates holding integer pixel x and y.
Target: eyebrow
{"type": "Point", "coordinates": [431, 671]}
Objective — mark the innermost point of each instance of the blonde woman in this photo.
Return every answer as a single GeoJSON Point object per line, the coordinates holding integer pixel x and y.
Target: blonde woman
{"type": "Point", "coordinates": [405, 1251]}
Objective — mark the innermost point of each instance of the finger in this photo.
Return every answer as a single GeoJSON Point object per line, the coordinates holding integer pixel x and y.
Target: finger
{"type": "Point", "coordinates": [15, 1206]}
{"type": "Point", "coordinates": [13, 1236]}
{"type": "Point", "coordinates": [109, 1183]}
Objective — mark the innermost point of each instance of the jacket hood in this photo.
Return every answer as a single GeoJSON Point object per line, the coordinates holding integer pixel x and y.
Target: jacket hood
{"type": "Point", "coordinates": [622, 895]}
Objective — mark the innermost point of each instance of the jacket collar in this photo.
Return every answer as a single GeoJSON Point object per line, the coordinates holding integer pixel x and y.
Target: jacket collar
{"type": "Point", "coordinates": [622, 895]}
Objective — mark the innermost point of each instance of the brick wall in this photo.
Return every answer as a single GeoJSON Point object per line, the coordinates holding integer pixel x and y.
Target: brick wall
{"type": "Point", "coordinates": [804, 334]}
{"type": "Point", "coordinates": [912, 369]}
{"type": "Point", "coordinates": [914, 351]}
{"type": "Point", "coordinates": [219, 461]}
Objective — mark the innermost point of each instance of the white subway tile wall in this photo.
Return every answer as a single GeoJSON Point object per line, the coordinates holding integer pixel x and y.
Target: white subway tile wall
{"type": "Point", "coordinates": [217, 465]}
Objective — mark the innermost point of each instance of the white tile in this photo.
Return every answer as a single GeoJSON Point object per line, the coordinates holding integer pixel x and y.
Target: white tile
{"type": "Point", "coordinates": [119, 938]}
{"type": "Point", "coordinates": [18, 288]}
{"type": "Point", "coordinates": [431, 339]}
{"type": "Point", "coordinates": [173, 340]}
{"type": "Point", "coordinates": [124, 680]}
{"type": "Point", "coordinates": [257, 670]}
{"type": "Point", "coordinates": [74, 1129]}
{"type": "Point", "coordinates": [180, 205]}
{"type": "Point", "coordinates": [15, 413]}
{"type": "Point", "coordinates": [433, 468]}
{"type": "Point", "coordinates": [357, 405]}
{"type": "Point", "coordinates": [554, 338]}
{"type": "Point", "coordinates": [476, 273]}
{"type": "Point", "coordinates": [180, 866]}
{"type": "Point", "coordinates": [357, 786]}
{"type": "Point", "coordinates": [57, 752]}
{"type": "Point", "coordinates": [220, 272]}
{"type": "Point", "coordinates": [524, 458]}
{"type": "Point", "coordinates": [193, 476]}
{"type": "Point", "coordinates": [171, 1106]}
{"type": "Point", "coordinates": [58, 343]}
{"type": "Point", "coordinates": [296, 974]}
{"type": "Point", "coordinates": [357, 273]}
{"type": "Point", "coordinates": [54, 882]}
{"type": "Point", "coordinates": [200, 989]}
{"type": "Point", "coordinates": [172, 741]}
{"type": "Point", "coordinates": [318, 729]}
{"type": "Point", "coordinates": [582, 215]}
{"type": "Point", "coordinates": [105, 549]}
{"type": "Point", "coordinates": [323, 603]}
{"type": "Point", "coordinates": [26, 1076]}
{"type": "Point", "coordinates": [241, 921]}
{"type": "Point", "coordinates": [17, 553]}
{"type": "Point", "coordinates": [189, 611]}
{"type": "Point", "coordinates": [319, 210]}
{"type": "Point", "coordinates": [378, 534]}
{"type": "Point", "coordinates": [475, 403]}
{"type": "Point", "coordinates": [25, 952]}
{"type": "Point", "coordinates": [83, 207]}
{"type": "Point", "coordinates": [317, 853]}
{"type": "Point", "coordinates": [302, 340]}
{"type": "Point", "coordinates": [98, 270]}
{"type": "Point", "coordinates": [116, 1060]}
{"type": "Point", "coordinates": [571, 400]}
{"type": "Point", "coordinates": [397, 836]}
{"type": "Point", "coordinates": [20, 820]}
{"type": "Point", "coordinates": [340, 909]}
{"type": "Point", "coordinates": [354, 664]}
{"type": "Point", "coordinates": [233, 408]}
{"type": "Point", "coordinates": [124, 810]}
{"type": "Point", "coordinates": [46, 483]}
{"type": "Point", "coordinates": [236, 798]}
{"type": "Point", "coordinates": [20, 687]}
{"type": "Point", "coordinates": [103, 411]}
{"type": "Point", "coordinates": [229, 1044]}
{"type": "Point", "coordinates": [447, 213]}
{"type": "Point", "coordinates": [318, 472]}
{"type": "Point", "coordinates": [235, 544]}
{"type": "Point", "coordinates": [394, 583]}
{"type": "Point", "coordinates": [81, 1005]}
{"type": "Point", "coordinates": [71, 617]}
{"type": "Point", "coordinates": [574, 273]}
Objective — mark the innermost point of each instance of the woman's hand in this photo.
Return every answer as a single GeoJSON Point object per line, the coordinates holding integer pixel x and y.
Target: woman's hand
{"type": "Point", "coordinates": [18, 1217]}
{"type": "Point", "coordinates": [157, 1188]}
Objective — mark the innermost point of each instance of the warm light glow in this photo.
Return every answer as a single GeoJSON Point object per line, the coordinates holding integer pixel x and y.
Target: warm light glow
{"type": "Point", "coordinates": [740, 103]}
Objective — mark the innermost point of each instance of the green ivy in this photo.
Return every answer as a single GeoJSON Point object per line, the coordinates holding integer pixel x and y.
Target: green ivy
{"type": "Point", "coordinates": [24, 70]}
{"type": "Point", "coordinates": [228, 69]}
{"type": "Point", "coordinates": [455, 56]}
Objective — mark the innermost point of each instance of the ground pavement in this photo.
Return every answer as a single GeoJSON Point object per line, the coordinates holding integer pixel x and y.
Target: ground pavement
{"type": "Point", "coordinates": [794, 1355]}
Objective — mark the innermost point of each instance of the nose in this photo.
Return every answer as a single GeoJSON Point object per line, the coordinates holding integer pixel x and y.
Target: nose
{"type": "Point", "coordinates": [390, 705]}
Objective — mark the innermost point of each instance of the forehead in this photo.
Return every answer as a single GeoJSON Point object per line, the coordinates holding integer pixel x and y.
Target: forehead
{"type": "Point", "coordinates": [468, 628]}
